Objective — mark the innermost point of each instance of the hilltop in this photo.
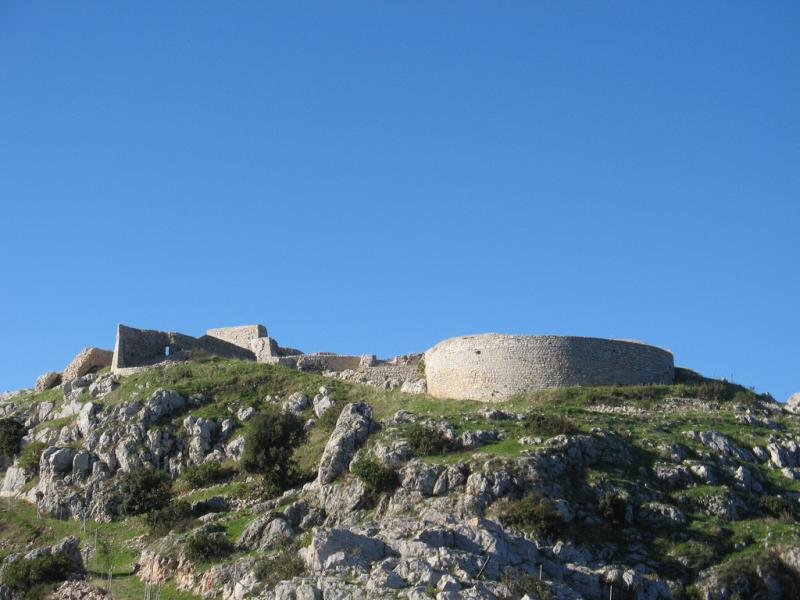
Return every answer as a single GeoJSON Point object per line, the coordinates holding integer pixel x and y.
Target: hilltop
{"type": "Point", "coordinates": [686, 490]}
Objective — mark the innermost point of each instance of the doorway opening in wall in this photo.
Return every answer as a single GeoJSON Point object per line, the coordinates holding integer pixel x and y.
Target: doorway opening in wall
{"type": "Point", "coordinates": [166, 350]}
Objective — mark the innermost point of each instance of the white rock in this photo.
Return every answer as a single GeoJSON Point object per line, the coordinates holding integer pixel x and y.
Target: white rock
{"type": "Point", "coordinates": [322, 404]}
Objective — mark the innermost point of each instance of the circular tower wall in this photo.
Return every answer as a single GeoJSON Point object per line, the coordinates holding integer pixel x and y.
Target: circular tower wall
{"type": "Point", "coordinates": [495, 367]}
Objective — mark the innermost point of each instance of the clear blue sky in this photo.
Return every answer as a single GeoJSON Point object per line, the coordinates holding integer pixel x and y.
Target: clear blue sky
{"type": "Point", "coordinates": [378, 176]}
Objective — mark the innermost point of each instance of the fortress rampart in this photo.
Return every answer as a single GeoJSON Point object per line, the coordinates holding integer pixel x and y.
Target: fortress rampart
{"type": "Point", "coordinates": [495, 367]}
{"type": "Point", "coordinates": [489, 367]}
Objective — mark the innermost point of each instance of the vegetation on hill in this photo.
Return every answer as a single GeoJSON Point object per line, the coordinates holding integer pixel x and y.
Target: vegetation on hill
{"type": "Point", "coordinates": [675, 483]}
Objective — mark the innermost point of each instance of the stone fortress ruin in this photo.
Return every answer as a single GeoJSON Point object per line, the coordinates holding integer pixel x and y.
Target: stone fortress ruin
{"type": "Point", "coordinates": [495, 367]}
{"type": "Point", "coordinates": [137, 349]}
{"type": "Point", "coordinates": [488, 367]}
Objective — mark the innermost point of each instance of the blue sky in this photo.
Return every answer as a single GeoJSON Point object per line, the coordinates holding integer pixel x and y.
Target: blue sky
{"type": "Point", "coordinates": [377, 176]}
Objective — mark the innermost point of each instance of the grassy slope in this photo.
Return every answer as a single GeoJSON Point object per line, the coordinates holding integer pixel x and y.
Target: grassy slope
{"type": "Point", "coordinates": [229, 385]}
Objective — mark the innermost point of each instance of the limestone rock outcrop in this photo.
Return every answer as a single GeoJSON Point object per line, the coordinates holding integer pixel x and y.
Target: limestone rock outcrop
{"type": "Point", "coordinates": [793, 403]}
{"type": "Point", "coordinates": [352, 428]}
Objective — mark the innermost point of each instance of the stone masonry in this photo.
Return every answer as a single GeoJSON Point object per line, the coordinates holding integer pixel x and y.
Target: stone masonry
{"type": "Point", "coordinates": [489, 367]}
{"type": "Point", "coordinates": [241, 335]}
{"type": "Point", "coordinates": [86, 361]}
{"type": "Point", "coordinates": [495, 367]}
{"type": "Point", "coordinates": [135, 348]}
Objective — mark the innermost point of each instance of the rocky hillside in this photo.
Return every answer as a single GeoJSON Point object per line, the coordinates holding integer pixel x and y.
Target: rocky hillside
{"type": "Point", "coordinates": [230, 479]}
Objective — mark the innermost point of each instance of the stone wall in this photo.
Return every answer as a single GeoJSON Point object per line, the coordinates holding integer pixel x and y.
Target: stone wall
{"type": "Point", "coordinates": [241, 335]}
{"type": "Point", "coordinates": [85, 361]}
{"type": "Point", "coordinates": [495, 367]}
{"type": "Point", "coordinates": [146, 347]}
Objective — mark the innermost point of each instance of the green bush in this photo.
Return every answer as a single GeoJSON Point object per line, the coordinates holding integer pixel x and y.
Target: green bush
{"type": "Point", "coordinates": [269, 447]}
{"type": "Point", "coordinates": [328, 419]}
{"type": "Point", "coordinates": [11, 433]}
{"type": "Point", "coordinates": [175, 517]}
{"type": "Point", "coordinates": [30, 456]}
{"type": "Point", "coordinates": [204, 474]}
{"type": "Point", "coordinates": [284, 564]}
{"type": "Point", "coordinates": [520, 583]}
{"type": "Point", "coordinates": [531, 513]}
{"type": "Point", "coordinates": [376, 478]}
{"type": "Point", "coordinates": [613, 507]}
{"type": "Point", "coordinates": [759, 575]}
{"type": "Point", "coordinates": [23, 575]}
{"type": "Point", "coordinates": [426, 441]}
{"type": "Point", "coordinates": [713, 390]}
{"type": "Point", "coordinates": [547, 425]}
{"type": "Point", "coordinates": [204, 546]}
{"type": "Point", "coordinates": [143, 490]}
{"type": "Point", "coordinates": [779, 507]}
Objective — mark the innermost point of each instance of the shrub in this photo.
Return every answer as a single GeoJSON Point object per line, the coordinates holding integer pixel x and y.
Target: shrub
{"type": "Point", "coordinates": [269, 446]}
{"type": "Point", "coordinates": [613, 507]}
{"type": "Point", "coordinates": [143, 490]}
{"type": "Point", "coordinates": [176, 516]}
{"type": "Point", "coordinates": [23, 575]}
{"type": "Point", "coordinates": [531, 513]}
{"type": "Point", "coordinates": [745, 397]}
{"type": "Point", "coordinates": [284, 564]}
{"type": "Point", "coordinates": [11, 434]}
{"type": "Point", "coordinates": [205, 474]}
{"type": "Point", "coordinates": [759, 575]}
{"type": "Point", "coordinates": [328, 419]}
{"type": "Point", "coordinates": [520, 583]}
{"type": "Point", "coordinates": [205, 546]}
{"type": "Point", "coordinates": [30, 456]}
{"type": "Point", "coordinates": [426, 441]}
{"type": "Point", "coordinates": [713, 390]}
{"type": "Point", "coordinates": [547, 424]}
{"type": "Point", "coordinates": [779, 507]}
{"type": "Point", "coordinates": [376, 478]}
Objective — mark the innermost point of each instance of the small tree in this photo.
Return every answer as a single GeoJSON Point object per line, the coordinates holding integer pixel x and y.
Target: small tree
{"type": "Point", "coordinates": [30, 456]}
{"type": "Point", "coordinates": [205, 546]}
{"type": "Point", "coordinates": [426, 441]}
{"type": "Point", "coordinates": [177, 516]}
{"type": "Point", "coordinates": [11, 433]}
{"type": "Point", "coordinates": [531, 513]}
{"type": "Point", "coordinates": [376, 478]}
{"type": "Point", "coordinates": [269, 445]}
{"type": "Point", "coordinates": [143, 490]}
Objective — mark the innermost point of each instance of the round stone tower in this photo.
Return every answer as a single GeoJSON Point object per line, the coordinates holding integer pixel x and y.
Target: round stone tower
{"type": "Point", "coordinates": [495, 367]}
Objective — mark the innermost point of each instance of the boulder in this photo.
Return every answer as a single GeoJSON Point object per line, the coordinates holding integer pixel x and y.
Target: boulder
{"type": "Point", "coordinates": [793, 403]}
{"type": "Point", "coordinates": [162, 403]}
{"type": "Point", "coordinates": [420, 477]}
{"type": "Point", "coordinates": [323, 403]}
{"type": "Point", "coordinates": [418, 386]}
{"type": "Point", "coordinates": [393, 453]}
{"type": "Point", "coordinates": [723, 444]}
{"type": "Point", "coordinates": [660, 514]}
{"type": "Point", "coordinates": [57, 461]}
{"type": "Point", "coordinates": [81, 464]}
{"type": "Point", "coordinates": [14, 481]}
{"type": "Point", "coordinates": [86, 361]}
{"type": "Point", "coordinates": [235, 448]}
{"type": "Point", "coordinates": [87, 418]}
{"type": "Point", "coordinates": [103, 385]}
{"type": "Point", "coordinates": [341, 549]}
{"type": "Point", "coordinates": [47, 380]}
{"type": "Point", "coordinates": [352, 428]}
{"type": "Point", "coordinates": [296, 403]}
{"type": "Point", "coordinates": [245, 414]}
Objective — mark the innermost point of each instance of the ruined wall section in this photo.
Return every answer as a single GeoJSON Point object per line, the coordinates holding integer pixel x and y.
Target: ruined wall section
{"type": "Point", "coordinates": [135, 348]}
{"type": "Point", "coordinates": [241, 335]}
{"type": "Point", "coordinates": [495, 367]}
